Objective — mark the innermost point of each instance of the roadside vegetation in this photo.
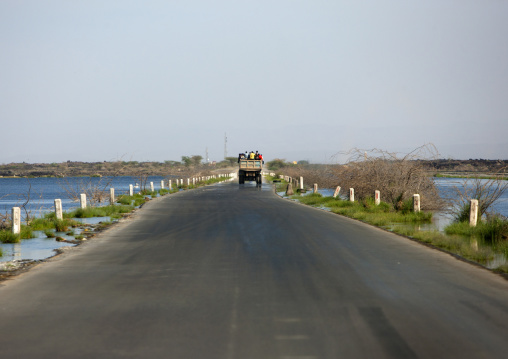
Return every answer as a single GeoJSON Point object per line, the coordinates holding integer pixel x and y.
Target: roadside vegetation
{"type": "Point", "coordinates": [49, 225]}
{"type": "Point", "coordinates": [479, 244]}
{"type": "Point", "coordinates": [398, 178]}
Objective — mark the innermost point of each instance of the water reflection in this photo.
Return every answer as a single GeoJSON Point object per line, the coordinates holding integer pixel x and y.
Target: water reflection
{"type": "Point", "coordinates": [37, 248]}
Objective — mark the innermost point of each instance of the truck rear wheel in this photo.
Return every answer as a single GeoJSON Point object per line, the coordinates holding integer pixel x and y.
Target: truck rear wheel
{"type": "Point", "coordinates": [258, 178]}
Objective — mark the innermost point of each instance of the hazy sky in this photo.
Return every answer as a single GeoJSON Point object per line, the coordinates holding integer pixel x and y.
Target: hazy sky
{"type": "Point", "coordinates": [301, 80]}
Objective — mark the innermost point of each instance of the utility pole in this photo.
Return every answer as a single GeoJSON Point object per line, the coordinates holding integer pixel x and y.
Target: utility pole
{"type": "Point", "coordinates": [206, 157]}
{"type": "Point", "coordinates": [225, 145]}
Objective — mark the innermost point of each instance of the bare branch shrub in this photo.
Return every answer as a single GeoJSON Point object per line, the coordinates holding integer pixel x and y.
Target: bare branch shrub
{"type": "Point", "coordinates": [323, 175]}
{"type": "Point", "coordinates": [141, 180]}
{"type": "Point", "coordinates": [397, 177]}
{"type": "Point", "coordinates": [486, 191]}
{"type": "Point", "coordinates": [26, 204]}
{"type": "Point", "coordinates": [96, 191]}
{"type": "Point", "coordinates": [5, 221]}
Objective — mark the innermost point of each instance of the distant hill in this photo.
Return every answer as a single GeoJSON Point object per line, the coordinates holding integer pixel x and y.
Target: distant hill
{"type": "Point", "coordinates": [70, 169]}
{"type": "Point", "coordinates": [132, 168]}
{"type": "Point", "coordinates": [468, 166]}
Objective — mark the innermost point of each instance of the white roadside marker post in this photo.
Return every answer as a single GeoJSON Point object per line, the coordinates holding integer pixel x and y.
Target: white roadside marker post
{"type": "Point", "coordinates": [416, 203]}
{"type": "Point", "coordinates": [83, 200]}
{"type": "Point", "coordinates": [58, 209]}
{"type": "Point", "coordinates": [473, 213]}
{"type": "Point", "coordinates": [16, 220]}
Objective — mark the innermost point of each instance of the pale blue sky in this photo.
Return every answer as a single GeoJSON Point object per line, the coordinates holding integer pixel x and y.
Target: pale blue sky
{"type": "Point", "coordinates": [155, 80]}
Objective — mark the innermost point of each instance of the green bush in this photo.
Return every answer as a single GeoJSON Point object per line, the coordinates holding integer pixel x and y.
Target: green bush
{"type": "Point", "coordinates": [136, 200]}
{"type": "Point", "coordinates": [26, 232]}
{"type": "Point", "coordinates": [493, 230]}
{"type": "Point", "coordinates": [105, 211]}
{"type": "Point", "coordinates": [125, 200]}
{"type": "Point", "coordinates": [40, 224]}
{"type": "Point", "coordinates": [6, 236]}
{"type": "Point", "coordinates": [60, 225]}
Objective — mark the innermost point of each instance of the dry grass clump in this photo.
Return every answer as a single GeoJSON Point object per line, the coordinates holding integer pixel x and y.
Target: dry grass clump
{"type": "Point", "coordinates": [323, 175]}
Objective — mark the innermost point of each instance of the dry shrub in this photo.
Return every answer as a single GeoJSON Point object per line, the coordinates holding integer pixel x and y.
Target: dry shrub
{"type": "Point", "coordinates": [396, 177]}
{"type": "Point", "coordinates": [5, 221]}
{"type": "Point", "coordinates": [323, 175]}
{"type": "Point", "coordinates": [486, 191]}
{"type": "Point", "coordinates": [96, 190]}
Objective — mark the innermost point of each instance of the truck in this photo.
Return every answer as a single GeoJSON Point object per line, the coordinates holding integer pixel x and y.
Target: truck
{"type": "Point", "coordinates": [249, 170]}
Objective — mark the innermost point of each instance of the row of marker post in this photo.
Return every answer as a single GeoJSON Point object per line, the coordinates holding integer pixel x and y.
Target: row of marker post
{"type": "Point", "coordinates": [473, 215]}
{"type": "Point", "coordinates": [16, 211]}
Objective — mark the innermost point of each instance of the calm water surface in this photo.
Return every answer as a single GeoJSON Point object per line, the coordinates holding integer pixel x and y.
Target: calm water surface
{"type": "Point", "coordinates": [43, 192]}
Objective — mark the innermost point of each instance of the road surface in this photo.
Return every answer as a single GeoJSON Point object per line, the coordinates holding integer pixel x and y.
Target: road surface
{"type": "Point", "coordinates": [231, 271]}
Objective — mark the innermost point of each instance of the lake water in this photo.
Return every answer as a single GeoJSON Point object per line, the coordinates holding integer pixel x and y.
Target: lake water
{"type": "Point", "coordinates": [446, 189]}
{"type": "Point", "coordinates": [43, 192]}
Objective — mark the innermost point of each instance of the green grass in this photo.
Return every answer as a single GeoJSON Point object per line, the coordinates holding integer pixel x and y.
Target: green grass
{"type": "Point", "coordinates": [49, 222]}
{"type": "Point", "coordinates": [105, 211]}
{"type": "Point", "coordinates": [491, 231]}
{"type": "Point", "coordinates": [6, 236]}
{"type": "Point", "coordinates": [41, 224]}
{"type": "Point", "coordinates": [502, 269]}
{"type": "Point", "coordinates": [136, 200]}
{"type": "Point", "coordinates": [479, 244]}
{"type": "Point", "coordinates": [60, 225]}
{"type": "Point", "coordinates": [460, 245]}
{"type": "Point", "coordinates": [26, 232]}
{"type": "Point", "coordinates": [365, 210]}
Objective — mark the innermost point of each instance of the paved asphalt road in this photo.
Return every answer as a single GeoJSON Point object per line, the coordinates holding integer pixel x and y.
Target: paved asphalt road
{"type": "Point", "coordinates": [232, 271]}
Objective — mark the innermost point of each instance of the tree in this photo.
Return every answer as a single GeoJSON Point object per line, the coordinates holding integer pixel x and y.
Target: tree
{"type": "Point", "coordinates": [196, 160]}
{"type": "Point", "coordinates": [187, 161]}
{"type": "Point", "coordinates": [231, 160]}
{"type": "Point", "coordinates": [276, 164]}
